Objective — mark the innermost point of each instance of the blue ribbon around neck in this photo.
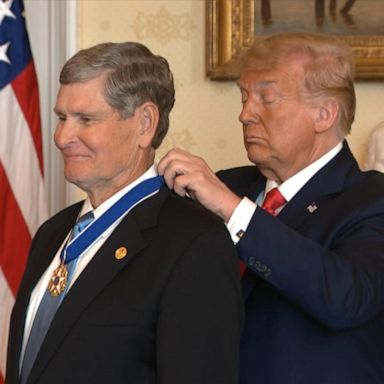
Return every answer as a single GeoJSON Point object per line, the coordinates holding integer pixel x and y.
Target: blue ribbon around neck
{"type": "Point", "coordinates": [74, 249]}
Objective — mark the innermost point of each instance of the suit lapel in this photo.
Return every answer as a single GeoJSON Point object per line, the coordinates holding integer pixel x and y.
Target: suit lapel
{"type": "Point", "coordinates": [330, 180]}
{"type": "Point", "coordinates": [99, 272]}
{"type": "Point", "coordinates": [40, 258]}
{"type": "Point", "coordinates": [255, 189]}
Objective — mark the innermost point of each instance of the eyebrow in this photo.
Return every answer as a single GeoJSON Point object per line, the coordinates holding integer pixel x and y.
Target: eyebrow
{"type": "Point", "coordinates": [95, 114]}
{"type": "Point", "coordinates": [259, 84]}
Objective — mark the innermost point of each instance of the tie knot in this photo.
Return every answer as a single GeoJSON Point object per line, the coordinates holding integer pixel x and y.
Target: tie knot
{"type": "Point", "coordinates": [273, 201]}
{"type": "Point", "coordinates": [81, 223]}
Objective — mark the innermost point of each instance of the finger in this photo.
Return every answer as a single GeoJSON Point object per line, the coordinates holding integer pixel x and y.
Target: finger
{"type": "Point", "coordinates": [171, 172]}
{"type": "Point", "coordinates": [164, 162]}
{"type": "Point", "coordinates": [173, 155]}
{"type": "Point", "coordinates": [180, 185]}
{"type": "Point", "coordinates": [184, 186]}
{"type": "Point", "coordinates": [169, 177]}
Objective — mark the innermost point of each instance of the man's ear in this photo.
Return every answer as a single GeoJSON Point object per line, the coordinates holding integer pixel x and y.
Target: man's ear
{"type": "Point", "coordinates": [327, 113]}
{"type": "Point", "coordinates": [149, 120]}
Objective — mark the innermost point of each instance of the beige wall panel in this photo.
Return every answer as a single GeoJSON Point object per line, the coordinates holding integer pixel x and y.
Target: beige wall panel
{"type": "Point", "coordinates": [205, 117]}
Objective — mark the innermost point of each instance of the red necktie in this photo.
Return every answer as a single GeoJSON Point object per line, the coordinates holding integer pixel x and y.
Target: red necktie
{"type": "Point", "coordinates": [272, 202]}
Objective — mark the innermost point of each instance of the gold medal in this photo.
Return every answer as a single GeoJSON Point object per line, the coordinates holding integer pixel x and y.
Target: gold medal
{"type": "Point", "coordinates": [58, 280]}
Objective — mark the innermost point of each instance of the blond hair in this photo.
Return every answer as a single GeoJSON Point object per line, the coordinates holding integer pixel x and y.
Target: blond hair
{"type": "Point", "coordinates": [328, 67]}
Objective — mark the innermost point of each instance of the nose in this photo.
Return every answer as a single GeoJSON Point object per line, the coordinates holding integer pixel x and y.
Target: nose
{"type": "Point", "coordinates": [65, 133]}
{"type": "Point", "coordinates": [249, 113]}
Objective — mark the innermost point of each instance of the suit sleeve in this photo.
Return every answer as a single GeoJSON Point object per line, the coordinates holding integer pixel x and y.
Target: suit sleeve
{"type": "Point", "coordinates": [332, 269]}
{"type": "Point", "coordinates": [201, 314]}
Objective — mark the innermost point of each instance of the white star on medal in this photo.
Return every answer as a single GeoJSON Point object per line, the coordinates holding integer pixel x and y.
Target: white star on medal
{"type": "Point", "coordinates": [5, 10]}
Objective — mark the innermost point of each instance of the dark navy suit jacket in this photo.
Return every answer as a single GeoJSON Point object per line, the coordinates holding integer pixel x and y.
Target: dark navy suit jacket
{"type": "Point", "coordinates": [314, 287]}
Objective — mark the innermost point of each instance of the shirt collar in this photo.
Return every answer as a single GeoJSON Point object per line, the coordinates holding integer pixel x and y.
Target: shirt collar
{"type": "Point", "coordinates": [291, 186]}
{"type": "Point", "coordinates": [87, 206]}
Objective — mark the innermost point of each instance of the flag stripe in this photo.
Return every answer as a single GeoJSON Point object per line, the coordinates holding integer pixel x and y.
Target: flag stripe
{"type": "Point", "coordinates": [15, 239]}
{"type": "Point", "coordinates": [26, 91]}
{"type": "Point", "coordinates": [17, 153]}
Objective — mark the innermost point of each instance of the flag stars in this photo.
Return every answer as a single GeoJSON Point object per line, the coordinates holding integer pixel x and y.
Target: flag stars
{"type": "Point", "coordinates": [3, 50]}
{"type": "Point", "coordinates": [5, 10]}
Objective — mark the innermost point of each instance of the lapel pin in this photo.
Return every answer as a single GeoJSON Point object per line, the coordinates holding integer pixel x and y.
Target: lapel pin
{"type": "Point", "coordinates": [312, 207]}
{"type": "Point", "coordinates": [120, 253]}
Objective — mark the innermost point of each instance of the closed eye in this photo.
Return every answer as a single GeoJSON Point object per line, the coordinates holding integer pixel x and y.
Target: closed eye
{"type": "Point", "coordinates": [85, 119]}
{"type": "Point", "coordinates": [61, 117]}
{"type": "Point", "coordinates": [269, 100]}
{"type": "Point", "coordinates": [270, 97]}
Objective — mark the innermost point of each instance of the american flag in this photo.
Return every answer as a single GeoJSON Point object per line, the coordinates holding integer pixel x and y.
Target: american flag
{"type": "Point", "coordinates": [22, 200]}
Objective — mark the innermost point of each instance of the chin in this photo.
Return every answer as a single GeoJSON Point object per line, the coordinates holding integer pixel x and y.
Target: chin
{"type": "Point", "coordinates": [256, 156]}
{"type": "Point", "coordinates": [75, 178]}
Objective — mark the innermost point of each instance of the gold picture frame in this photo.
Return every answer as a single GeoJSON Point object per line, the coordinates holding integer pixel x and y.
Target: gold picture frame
{"type": "Point", "coordinates": [230, 26]}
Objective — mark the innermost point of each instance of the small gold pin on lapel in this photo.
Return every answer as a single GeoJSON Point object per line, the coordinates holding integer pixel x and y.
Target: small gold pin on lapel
{"type": "Point", "coordinates": [120, 253]}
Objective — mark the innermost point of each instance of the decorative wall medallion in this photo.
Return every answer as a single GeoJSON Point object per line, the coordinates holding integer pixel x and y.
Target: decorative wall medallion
{"type": "Point", "coordinates": [182, 139]}
{"type": "Point", "coordinates": [163, 26]}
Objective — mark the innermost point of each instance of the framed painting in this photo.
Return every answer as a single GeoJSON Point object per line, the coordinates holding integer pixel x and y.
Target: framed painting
{"type": "Point", "coordinates": [233, 25]}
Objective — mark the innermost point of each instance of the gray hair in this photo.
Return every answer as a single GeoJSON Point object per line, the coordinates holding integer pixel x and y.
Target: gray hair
{"type": "Point", "coordinates": [134, 75]}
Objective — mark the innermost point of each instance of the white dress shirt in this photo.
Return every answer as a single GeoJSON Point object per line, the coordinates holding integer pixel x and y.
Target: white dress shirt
{"type": "Point", "coordinates": [83, 260]}
{"type": "Point", "coordinates": [243, 213]}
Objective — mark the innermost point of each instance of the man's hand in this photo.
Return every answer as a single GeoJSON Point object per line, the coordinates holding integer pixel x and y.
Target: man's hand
{"type": "Point", "coordinates": [190, 175]}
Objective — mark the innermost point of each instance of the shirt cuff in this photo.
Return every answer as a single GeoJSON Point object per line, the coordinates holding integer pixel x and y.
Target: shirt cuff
{"type": "Point", "coordinates": [240, 219]}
